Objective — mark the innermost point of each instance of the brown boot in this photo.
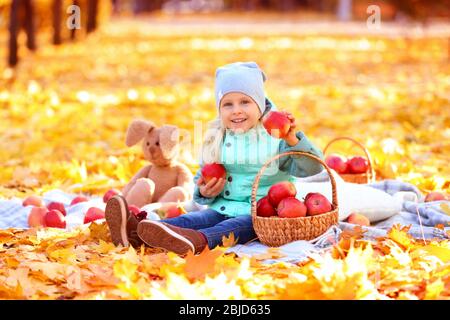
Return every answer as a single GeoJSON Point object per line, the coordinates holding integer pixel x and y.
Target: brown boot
{"type": "Point", "coordinates": [163, 235]}
{"type": "Point", "coordinates": [122, 223]}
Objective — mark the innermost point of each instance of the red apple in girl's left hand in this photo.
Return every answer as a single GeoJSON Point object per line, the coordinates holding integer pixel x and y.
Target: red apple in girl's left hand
{"type": "Point", "coordinates": [213, 170]}
{"type": "Point", "coordinates": [357, 164]}
{"type": "Point", "coordinates": [264, 208]}
{"type": "Point", "coordinates": [277, 124]}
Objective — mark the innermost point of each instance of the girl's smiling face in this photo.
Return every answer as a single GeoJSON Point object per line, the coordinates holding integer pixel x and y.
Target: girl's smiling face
{"type": "Point", "coordinates": [239, 112]}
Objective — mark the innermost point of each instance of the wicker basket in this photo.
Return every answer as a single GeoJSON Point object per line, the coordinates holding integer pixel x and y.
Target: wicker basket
{"type": "Point", "coordinates": [276, 231]}
{"type": "Point", "coordinates": [367, 177]}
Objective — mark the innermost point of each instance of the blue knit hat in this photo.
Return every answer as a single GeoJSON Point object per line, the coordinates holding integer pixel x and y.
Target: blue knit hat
{"type": "Point", "coordinates": [243, 77]}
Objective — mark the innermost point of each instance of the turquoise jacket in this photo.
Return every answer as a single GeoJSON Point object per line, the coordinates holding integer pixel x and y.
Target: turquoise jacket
{"type": "Point", "coordinates": [243, 155]}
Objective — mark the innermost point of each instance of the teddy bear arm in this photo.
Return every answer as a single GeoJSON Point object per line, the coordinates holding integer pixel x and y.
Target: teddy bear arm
{"type": "Point", "coordinates": [143, 173]}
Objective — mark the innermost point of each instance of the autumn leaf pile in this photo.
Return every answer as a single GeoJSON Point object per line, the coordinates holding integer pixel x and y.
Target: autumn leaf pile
{"type": "Point", "coordinates": [64, 113]}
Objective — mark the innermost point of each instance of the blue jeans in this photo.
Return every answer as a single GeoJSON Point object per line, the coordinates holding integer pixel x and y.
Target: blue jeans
{"type": "Point", "coordinates": [215, 225]}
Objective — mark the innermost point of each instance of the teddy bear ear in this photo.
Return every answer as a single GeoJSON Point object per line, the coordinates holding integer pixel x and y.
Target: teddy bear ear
{"type": "Point", "coordinates": [169, 138]}
{"type": "Point", "coordinates": [137, 130]}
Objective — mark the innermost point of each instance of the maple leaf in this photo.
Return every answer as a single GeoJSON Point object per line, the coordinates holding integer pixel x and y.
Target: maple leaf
{"type": "Point", "coordinates": [229, 241]}
{"type": "Point", "coordinates": [100, 231]}
{"type": "Point", "coordinates": [438, 251]}
{"type": "Point", "coordinates": [105, 247]}
{"type": "Point", "coordinates": [197, 266]}
{"type": "Point", "coordinates": [400, 236]}
{"type": "Point", "coordinates": [125, 270]}
{"type": "Point", "coordinates": [355, 233]}
{"type": "Point", "coordinates": [271, 253]}
{"type": "Point", "coordinates": [6, 236]}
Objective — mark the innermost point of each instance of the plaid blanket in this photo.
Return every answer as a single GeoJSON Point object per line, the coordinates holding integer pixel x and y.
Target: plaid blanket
{"type": "Point", "coordinates": [423, 217]}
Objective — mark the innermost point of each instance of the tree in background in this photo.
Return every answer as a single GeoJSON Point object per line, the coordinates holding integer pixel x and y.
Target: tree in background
{"type": "Point", "coordinates": [21, 15]}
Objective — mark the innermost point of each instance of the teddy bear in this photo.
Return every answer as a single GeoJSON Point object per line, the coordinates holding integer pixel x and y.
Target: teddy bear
{"type": "Point", "coordinates": [164, 179]}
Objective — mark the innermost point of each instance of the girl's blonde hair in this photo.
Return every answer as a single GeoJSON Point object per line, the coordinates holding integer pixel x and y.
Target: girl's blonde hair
{"type": "Point", "coordinates": [212, 144]}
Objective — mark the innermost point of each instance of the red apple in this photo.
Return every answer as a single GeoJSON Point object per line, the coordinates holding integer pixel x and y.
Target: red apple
{"type": "Point", "coordinates": [277, 124]}
{"type": "Point", "coordinates": [57, 206]}
{"type": "Point", "coordinates": [359, 219]}
{"type": "Point", "coordinates": [78, 200]}
{"type": "Point", "coordinates": [92, 214]}
{"type": "Point", "coordinates": [357, 164]}
{"type": "Point", "coordinates": [279, 191]}
{"type": "Point", "coordinates": [317, 203]}
{"type": "Point", "coordinates": [35, 201]}
{"type": "Point", "coordinates": [175, 211]}
{"type": "Point", "coordinates": [264, 208]}
{"type": "Point", "coordinates": [291, 208]}
{"type": "Point", "coordinates": [337, 163]}
{"type": "Point", "coordinates": [213, 170]}
{"type": "Point", "coordinates": [435, 196]}
{"type": "Point", "coordinates": [109, 194]}
{"type": "Point", "coordinates": [36, 218]}
{"type": "Point", "coordinates": [134, 209]}
{"type": "Point", "coordinates": [55, 219]}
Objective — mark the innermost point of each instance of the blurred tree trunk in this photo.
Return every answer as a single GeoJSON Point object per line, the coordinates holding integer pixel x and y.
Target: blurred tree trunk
{"type": "Point", "coordinates": [29, 24]}
{"type": "Point", "coordinates": [57, 17]}
{"type": "Point", "coordinates": [16, 21]}
{"type": "Point", "coordinates": [92, 15]}
{"type": "Point", "coordinates": [14, 25]}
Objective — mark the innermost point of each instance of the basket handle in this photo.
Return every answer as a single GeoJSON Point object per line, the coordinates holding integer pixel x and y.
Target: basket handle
{"type": "Point", "coordinates": [369, 159]}
{"type": "Point", "coordinates": [268, 162]}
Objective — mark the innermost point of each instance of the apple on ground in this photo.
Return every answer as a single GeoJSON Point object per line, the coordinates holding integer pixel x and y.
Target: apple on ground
{"type": "Point", "coordinates": [435, 196]}
{"type": "Point", "coordinates": [337, 162]}
{"type": "Point", "coordinates": [213, 170]}
{"type": "Point", "coordinates": [78, 200]}
{"type": "Point", "coordinates": [279, 191]}
{"type": "Point", "coordinates": [109, 194]}
{"type": "Point", "coordinates": [264, 208]}
{"type": "Point", "coordinates": [357, 164]}
{"type": "Point", "coordinates": [175, 211]}
{"type": "Point", "coordinates": [33, 200]}
{"type": "Point", "coordinates": [291, 208]}
{"type": "Point", "coordinates": [36, 218]}
{"type": "Point", "coordinates": [359, 219]}
{"type": "Point", "coordinates": [171, 210]}
{"type": "Point", "coordinates": [277, 124]}
{"type": "Point", "coordinates": [93, 214]}
{"type": "Point", "coordinates": [55, 219]}
{"type": "Point", "coordinates": [57, 206]}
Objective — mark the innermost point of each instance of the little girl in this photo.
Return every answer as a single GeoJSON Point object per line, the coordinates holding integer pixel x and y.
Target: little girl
{"type": "Point", "coordinates": [237, 140]}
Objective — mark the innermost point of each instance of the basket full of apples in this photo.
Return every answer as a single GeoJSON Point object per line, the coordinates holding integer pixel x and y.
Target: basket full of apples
{"type": "Point", "coordinates": [355, 169]}
{"type": "Point", "coordinates": [280, 218]}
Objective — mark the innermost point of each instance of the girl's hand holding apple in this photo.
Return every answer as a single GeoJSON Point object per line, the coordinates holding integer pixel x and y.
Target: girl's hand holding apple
{"type": "Point", "coordinates": [211, 189]}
